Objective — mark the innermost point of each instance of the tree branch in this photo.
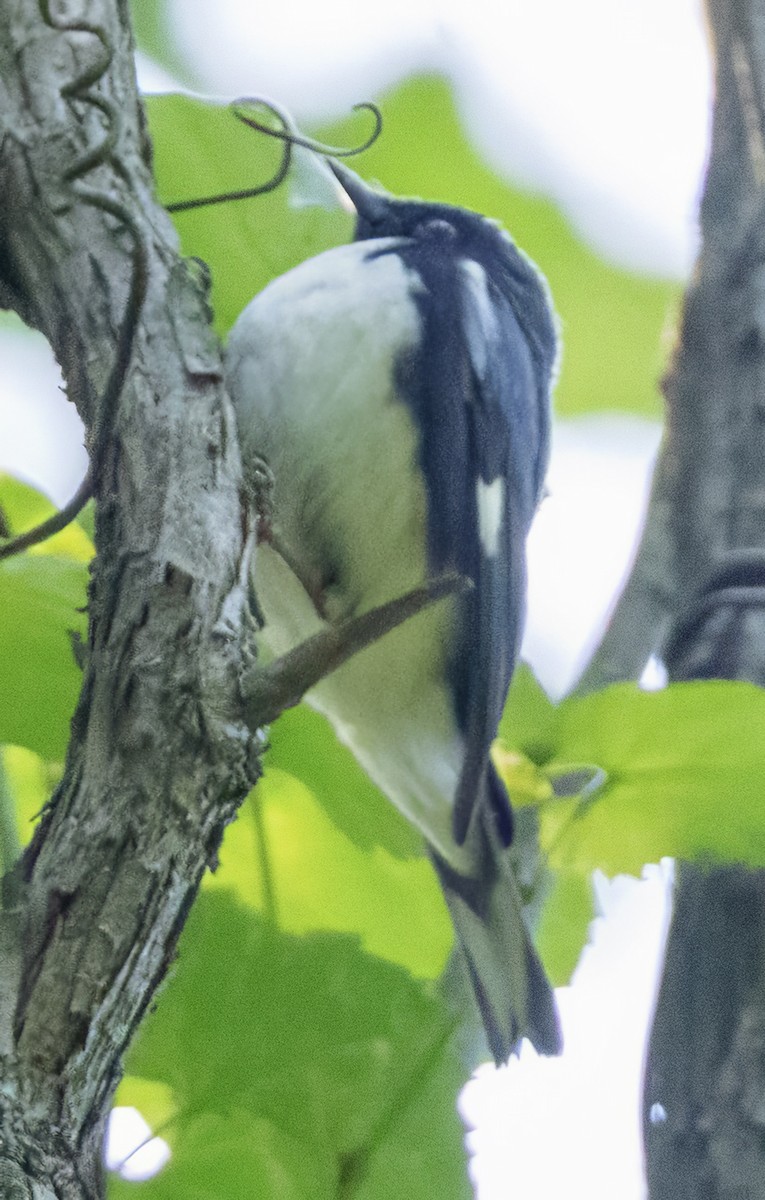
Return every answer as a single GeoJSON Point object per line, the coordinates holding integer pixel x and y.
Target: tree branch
{"type": "Point", "coordinates": [641, 614]}
{"type": "Point", "coordinates": [271, 689]}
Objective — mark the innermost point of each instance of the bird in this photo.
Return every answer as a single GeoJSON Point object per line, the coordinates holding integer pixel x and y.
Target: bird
{"type": "Point", "coordinates": [398, 387]}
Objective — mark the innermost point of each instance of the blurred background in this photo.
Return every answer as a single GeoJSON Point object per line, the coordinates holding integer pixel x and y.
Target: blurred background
{"type": "Point", "coordinates": [583, 128]}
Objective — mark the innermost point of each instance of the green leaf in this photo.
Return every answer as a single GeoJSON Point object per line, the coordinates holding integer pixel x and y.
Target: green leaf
{"type": "Point", "coordinates": [322, 881]}
{"type": "Point", "coordinates": [530, 719]}
{"type": "Point", "coordinates": [234, 1155]}
{"type": "Point", "coordinates": [24, 508]}
{"type": "Point", "coordinates": [684, 777]}
{"type": "Point", "coordinates": [303, 743]}
{"type": "Point", "coordinates": [564, 925]}
{"type": "Point", "coordinates": [328, 1062]}
{"type": "Point", "coordinates": [155, 1101]}
{"type": "Point", "coordinates": [42, 594]}
{"type": "Point", "coordinates": [39, 682]}
{"type": "Point", "coordinates": [31, 783]}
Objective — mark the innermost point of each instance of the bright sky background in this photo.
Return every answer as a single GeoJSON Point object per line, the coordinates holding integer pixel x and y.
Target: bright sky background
{"type": "Point", "coordinates": [603, 105]}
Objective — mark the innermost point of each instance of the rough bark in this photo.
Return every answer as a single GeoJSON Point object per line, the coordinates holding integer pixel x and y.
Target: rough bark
{"type": "Point", "coordinates": [162, 750]}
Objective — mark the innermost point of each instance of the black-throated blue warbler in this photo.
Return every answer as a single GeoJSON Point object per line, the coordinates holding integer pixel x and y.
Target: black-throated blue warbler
{"type": "Point", "coordinates": [399, 389]}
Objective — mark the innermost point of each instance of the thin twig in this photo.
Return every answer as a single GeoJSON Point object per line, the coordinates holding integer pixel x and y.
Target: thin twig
{"type": "Point", "coordinates": [279, 685]}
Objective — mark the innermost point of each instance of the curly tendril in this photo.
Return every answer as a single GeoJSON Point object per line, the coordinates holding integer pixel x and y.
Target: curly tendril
{"type": "Point", "coordinates": [288, 135]}
{"type": "Point", "coordinates": [246, 193]}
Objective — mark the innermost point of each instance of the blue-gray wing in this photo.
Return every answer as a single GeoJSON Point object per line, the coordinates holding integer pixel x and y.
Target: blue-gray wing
{"type": "Point", "coordinates": [479, 385]}
{"type": "Point", "coordinates": [507, 402]}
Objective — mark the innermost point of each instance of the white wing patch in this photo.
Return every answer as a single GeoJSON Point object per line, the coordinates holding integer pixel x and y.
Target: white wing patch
{"type": "Point", "coordinates": [490, 501]}
{"type": "Point", "coordinates": [480, 319]}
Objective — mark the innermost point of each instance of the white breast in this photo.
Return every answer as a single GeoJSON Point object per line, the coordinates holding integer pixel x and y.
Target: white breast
{"type": "Point", "coordinates": [311, 368]}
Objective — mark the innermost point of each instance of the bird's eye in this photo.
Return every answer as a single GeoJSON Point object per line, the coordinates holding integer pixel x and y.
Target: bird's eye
{"type": "Point", "coordinates": [436, 227]}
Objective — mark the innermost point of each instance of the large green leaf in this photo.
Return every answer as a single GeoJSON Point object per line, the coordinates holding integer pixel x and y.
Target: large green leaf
{"type": "Point", "coordinates": [29, 781]}
{"type": "Point", "coordinates": [623, 777]}
{"type": "Point", "coordinates": [329, 1064]}
{"type": "Point", "coordinates": [303, 743]}
{"type": "Point", "coordinates": [321, 880]}
{"type": "Point", "coordinates": [23, 508]}
{"type": "Point", "coordinates": [529, 722]}
{"type": "Point", "coordinates": [235, 1155]}
{"type": "Point", "coordinates": [684, 777]}
{"type": "Point", "coordinates": [39, 680]}
{"type": "Point", "coordinates": [565, 924]}
{"type": "Point", "coordinates": [42, 594]}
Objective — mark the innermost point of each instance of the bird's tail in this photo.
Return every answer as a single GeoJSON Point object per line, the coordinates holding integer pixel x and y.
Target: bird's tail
{"type": "Point", "coordinates": [511, 988]}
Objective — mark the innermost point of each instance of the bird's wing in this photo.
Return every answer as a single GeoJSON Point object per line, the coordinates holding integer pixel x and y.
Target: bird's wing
{"type": "Point", "coordinates": [494, 443]}
{"type": "Point", "coordinates": [507, 426]}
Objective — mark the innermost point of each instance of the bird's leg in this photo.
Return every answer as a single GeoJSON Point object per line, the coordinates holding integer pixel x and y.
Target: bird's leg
{"type": "Point", "coordinates": [260, 486]}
